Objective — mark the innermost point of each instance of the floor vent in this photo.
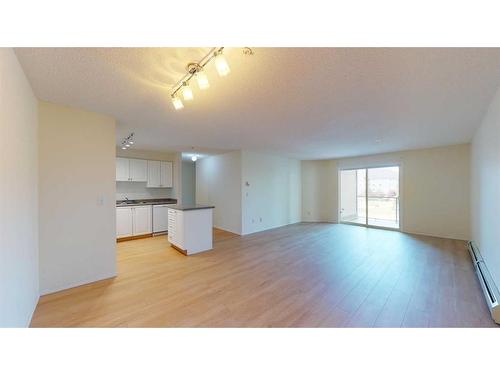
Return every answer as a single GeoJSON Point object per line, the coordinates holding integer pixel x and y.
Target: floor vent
{"type": "Point", "coordinates": [487, 284]}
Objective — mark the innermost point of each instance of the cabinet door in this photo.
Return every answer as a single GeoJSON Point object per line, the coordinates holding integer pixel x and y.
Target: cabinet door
{"type": "Point", "coordinates": [138, 170]}
{"type": "Point", "coordinates": [122, 169]}
{"type": "Point", "coordinates": [160, 218]}
{"type": "Point", "coordinates": [154, 173]}
{"type": "Point", "coordinates": [166, 174]}
{"type": "Point", "coordinates": [124, 222]}
{"type": "Point", "coordinates": [142, 220]}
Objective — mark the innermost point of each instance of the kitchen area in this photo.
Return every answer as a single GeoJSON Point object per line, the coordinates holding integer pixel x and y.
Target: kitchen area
{"type": "Point", "coordinates": [155, 197]}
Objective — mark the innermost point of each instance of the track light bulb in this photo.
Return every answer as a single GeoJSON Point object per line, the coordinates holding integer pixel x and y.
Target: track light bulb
{"type": "Point", "coordinates": [177, 103]}
{"type": "Point", "coordinates": [221, 65]}
{"type": "Point", "coordinates": [187, 93]}
{"type": "Point", "coordinates": [124, 148]}
{"type": "Point", "coordinates": [202, 79]}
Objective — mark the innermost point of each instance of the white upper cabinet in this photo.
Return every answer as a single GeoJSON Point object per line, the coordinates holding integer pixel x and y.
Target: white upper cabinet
{"type": "Point", "coordinates": [138, 170]}
{"type": "Point", "coordinates": [122, 169]}
{"type": "Point", "coordinates": [160, 174]}
{"type": "Point", "coordinates": [166, 174]}
{"type": "Point", "coordinates": [131, 170]}
{"type": "Point", "coordinates": [154, 173]}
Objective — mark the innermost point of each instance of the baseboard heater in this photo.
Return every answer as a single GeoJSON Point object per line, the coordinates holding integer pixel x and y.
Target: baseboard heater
{"type": "Point", "coordinates": [490, 290]}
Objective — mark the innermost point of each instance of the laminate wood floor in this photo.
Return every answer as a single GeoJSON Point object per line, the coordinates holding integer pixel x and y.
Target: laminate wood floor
{"type": "Point", "coordinates": [301, 275]}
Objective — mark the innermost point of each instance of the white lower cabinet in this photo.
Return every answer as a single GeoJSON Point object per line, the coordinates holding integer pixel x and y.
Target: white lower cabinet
{"type": "Point", "coordinates": [133, 221]}
{"type": "Point", "coordinates": [124, 222]}
{"type": "Point", "coordinates": [190, 230]}
{"type": "Point", "coordinates": [142, 220]}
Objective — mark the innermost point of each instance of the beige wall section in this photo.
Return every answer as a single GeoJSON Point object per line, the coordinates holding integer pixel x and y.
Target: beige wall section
{"type": "Point", "coordinates": [19, 289]}
{"type": "Point", "coordinates": [485, 188]}
{"type": "Point", "coordinates": [272, 197]}
{"type": "Point", "coordinates": [319, 190]}
{"type": "Point", "coordinates": [434, 189]}
{"type": "Point", "coordinates": [218, 182]}
{"type": "Point", "coordinates": [139, 190]}
{"type": "Point", "coordinates": [77, 197]}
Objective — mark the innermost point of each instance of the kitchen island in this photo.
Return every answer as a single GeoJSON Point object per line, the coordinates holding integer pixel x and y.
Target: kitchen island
{"type": "Point", "coordinates": [190, 228]}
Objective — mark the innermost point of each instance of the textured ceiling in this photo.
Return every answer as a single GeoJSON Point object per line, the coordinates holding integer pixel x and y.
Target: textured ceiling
{"type": "Point", "coordinates": [309, 103]}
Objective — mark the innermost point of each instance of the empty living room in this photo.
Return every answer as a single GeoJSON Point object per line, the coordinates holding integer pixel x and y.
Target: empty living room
{"type": "Point", "coordinates": [274, 199]}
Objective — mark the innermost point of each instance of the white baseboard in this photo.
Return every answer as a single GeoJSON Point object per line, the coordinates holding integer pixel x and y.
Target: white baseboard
{"type": "Point", "coordinates": [226, 230]}
{"type": "Point", "coordinates": [273, 227]}
{"type": "Point", "coordinates": [35, 304]}
{"type": "Point", "coordinates": [75, 284]}
{"type": "Point", "coordinates": [437, 235]}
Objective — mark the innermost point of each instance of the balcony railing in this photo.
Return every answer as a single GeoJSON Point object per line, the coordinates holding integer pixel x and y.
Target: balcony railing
{"type": "Point", "coordinates": [379, 208]}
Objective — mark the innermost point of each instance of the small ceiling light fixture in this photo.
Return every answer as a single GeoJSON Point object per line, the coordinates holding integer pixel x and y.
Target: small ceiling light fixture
{"type": "Point", "coordinates": [194, 158]}
{"type": "Point", "coordinates": [127, 141]}
{"type": "Point", "coordinates": [221, 64]}
{"type": "Point", "coordinates": [187, 93]}
{"type": "Point", "coordinates": [202, 79]}
{"type": "Point", "coordinates": [177, 102]}
{"type": "Point", "coordinates": [197, 69]}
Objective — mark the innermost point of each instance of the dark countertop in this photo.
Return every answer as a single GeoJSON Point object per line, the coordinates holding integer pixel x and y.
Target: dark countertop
{"type": "Point", "coordinates": [190, 207]}
{"type": "Point", "coordinates": [145, 202]}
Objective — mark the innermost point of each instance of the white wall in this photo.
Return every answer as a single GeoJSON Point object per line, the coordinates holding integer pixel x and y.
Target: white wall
{"type": "Point", "coordinates": [188, 172]}
{"type": "Point", "coordinates": [18, 195]}
{"type": "Point", "coordinates": [218, 183]}
{"type": "Point", "coordinates": [271, 191]}
{"type": "Point", "coordinates": [485, 188]}
{"type": "Point", "coordinates": [139, 190]}
{"type": "Point", "coordinates": [319, 190]}
{"type": "Point", "coordinates": [434, 189]}
{"type": "Point", "coordinates": [77, 197]}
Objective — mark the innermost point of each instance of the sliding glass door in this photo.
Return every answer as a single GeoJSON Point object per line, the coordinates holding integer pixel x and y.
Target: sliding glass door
{"type": "Point", "coordinates": [370, 196]}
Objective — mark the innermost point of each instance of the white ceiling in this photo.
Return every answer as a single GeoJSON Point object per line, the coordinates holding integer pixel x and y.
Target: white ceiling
{"type": "Point", "coordinates": [309, 103]}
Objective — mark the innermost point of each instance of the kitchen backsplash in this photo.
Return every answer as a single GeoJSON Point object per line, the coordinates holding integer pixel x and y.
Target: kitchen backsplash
{"type": "Point", "coordinates": [138, 190]}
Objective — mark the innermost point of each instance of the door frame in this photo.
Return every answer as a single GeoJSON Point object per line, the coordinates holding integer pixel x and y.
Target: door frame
{"type": "Point", "coordinates": [366, 167]}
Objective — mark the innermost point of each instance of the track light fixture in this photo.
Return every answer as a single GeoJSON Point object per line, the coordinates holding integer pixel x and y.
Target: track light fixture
{"type": "Point", "coordinates": [127, 141]}
{"type": "Point", "coordinates": [196, 69]}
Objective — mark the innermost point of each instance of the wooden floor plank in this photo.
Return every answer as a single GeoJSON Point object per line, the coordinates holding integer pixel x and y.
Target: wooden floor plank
{"type": "Point", "coordinates": [301, 275]}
